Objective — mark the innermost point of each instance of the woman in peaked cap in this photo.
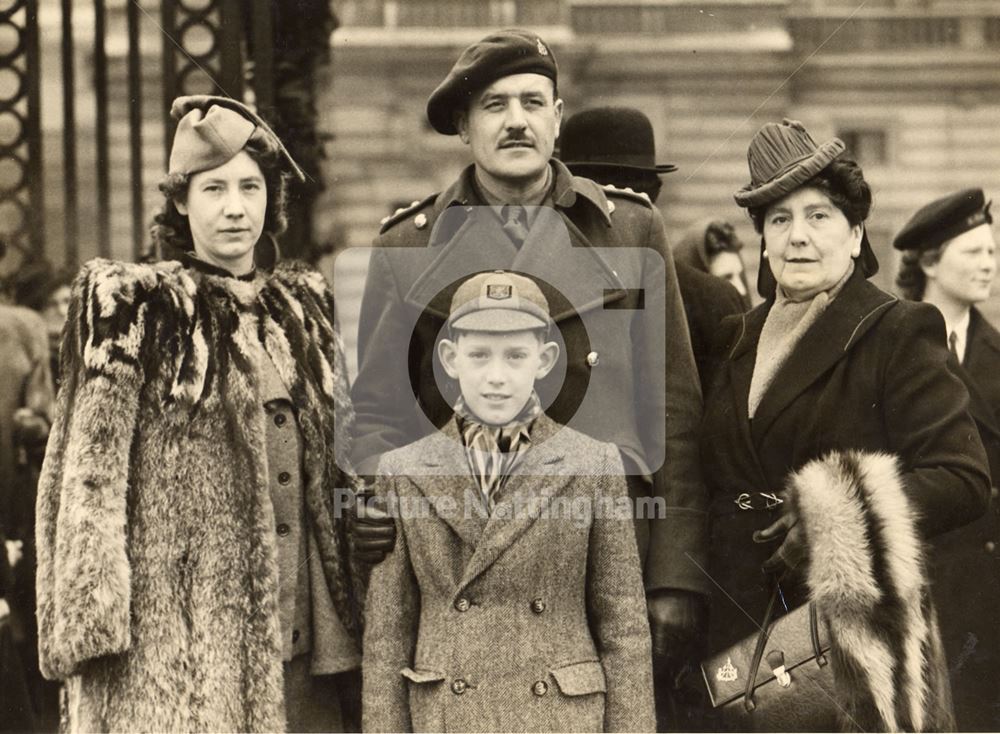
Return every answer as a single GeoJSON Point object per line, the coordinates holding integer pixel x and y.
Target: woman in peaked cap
{"type": "Point", "coordinates": [835, 440]}
{"type": "Point", "coordinates": [196, 570]}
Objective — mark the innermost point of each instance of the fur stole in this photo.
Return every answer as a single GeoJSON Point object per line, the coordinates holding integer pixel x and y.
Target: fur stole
{"type": "Point", "coordinates": [868, 578]}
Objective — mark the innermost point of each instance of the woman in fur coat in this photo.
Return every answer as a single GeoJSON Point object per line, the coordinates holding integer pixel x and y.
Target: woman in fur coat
{"type": "Point", "coordinates": [195, 570]}
{"type": "Point", "coordinates": [835, 440]}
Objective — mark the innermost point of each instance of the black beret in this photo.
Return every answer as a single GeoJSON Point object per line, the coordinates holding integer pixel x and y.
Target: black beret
{"type": "Point", "coordinates": [943, 219]}
{"type": "Point", "coordinates": [498, 55]}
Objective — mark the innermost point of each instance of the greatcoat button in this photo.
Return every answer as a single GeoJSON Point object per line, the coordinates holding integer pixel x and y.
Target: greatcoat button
{"type": "Point", "coordinates": [459, 686]}
{"type": "Point", "coordinates": [593, 359]}
{"type": "Point", "coordinates": [462, 604]}
{"type": "Point", "coordinates": [537, 606]}
{"type": "Point", "coordinates": [279, 420]}
{"type": "Point", "coordinates": [994, 492]}
{"type": "Point", "coordinates": [420, 221]}
{"type": "Point", "coordinates": [284, 477]}
{"type": "Point", "coordinates": [540, 688]}
{"type": "Point", "coordinates": [990, 546]}
{"type": "Point", "coordinates": [283, 530]}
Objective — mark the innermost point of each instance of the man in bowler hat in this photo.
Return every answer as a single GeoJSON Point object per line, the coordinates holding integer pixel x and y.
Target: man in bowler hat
{"type": "Point", "coordinates": [949, 260]}
{"type": "Point", "coordinates": [615, 146]}
{"type": "Point", "coordinates": [501, 99]}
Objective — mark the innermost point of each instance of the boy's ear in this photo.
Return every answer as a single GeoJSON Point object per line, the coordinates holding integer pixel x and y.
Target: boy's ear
{"type": "Point", "coordinates": [547, 358]}
{"type": "Point", "coordinates": [447, 353]}
{"type": "Point", "coordinates": [181, 207]}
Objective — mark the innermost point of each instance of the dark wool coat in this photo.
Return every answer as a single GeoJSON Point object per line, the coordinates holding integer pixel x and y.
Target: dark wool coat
{"type": "Point", "coordinates": [707, 300]}
{"type": "Point", "coordinates": [601, 300]}
{"type": "Point", "coordinates": [157, 567]}
{"type": "Point", "coordinates": [967, 560]}
{"type": "Point", "coordinates": [525, 621]}
{"type": "Point", "coordinates": [870, 374]}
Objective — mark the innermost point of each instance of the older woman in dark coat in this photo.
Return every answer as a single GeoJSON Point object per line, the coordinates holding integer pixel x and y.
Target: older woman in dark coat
{"type": "Point", "coordinates": [833, 431]}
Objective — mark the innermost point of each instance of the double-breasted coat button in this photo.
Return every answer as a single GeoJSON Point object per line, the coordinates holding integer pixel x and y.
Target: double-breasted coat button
{"type": "Point", "coordinates": [990, 546]}
{"type": "Point", "coordinates": [593, 359]}
{"type": "Point", "coordinates": [540, 688]}
{"type": "Point", "coordinates": [537, 606]}
{"type": "Point", "coordinates": [283, 530]}
{"type": "Point", "coordinates": [611, 207]}
{"type": "Point", "coordinates": [459, 686]}
{"type": "Point", "coordinates": [994, 493]}
{"type": "Point", "coordinates": [279, 420]}
{"type": "Point", "coordinates": [284, 477]}
{"type": "Point", "coordinates": [462, 604]}
{"type": "Point", "coordinates": [420, 221]}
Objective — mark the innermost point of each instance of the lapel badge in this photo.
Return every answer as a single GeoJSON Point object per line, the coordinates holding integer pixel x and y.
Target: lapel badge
{"type": "Point", "coordinates": [420, 221]}
{"type": "Point", "coordinates": [498, 291]}
{"type": "Point", "coordinates": [728, 672]}
{"type": "Point", "coordinates": [541, 47]}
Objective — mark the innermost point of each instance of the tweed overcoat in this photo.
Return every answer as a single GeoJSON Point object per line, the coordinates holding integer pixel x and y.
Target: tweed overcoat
{"type": "Point", "coordinates": [157, 566]}
{"type": "Point", "coordinates": [613, 348]}
{"type": "Point", "coordinates": [869, 375]}
{"type": "Point", "coordinates": [967, 560]}
{"type": "Point", "coordinates": [525, 621]}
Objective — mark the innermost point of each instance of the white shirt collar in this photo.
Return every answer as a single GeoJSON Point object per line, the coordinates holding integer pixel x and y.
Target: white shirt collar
{"type": "Point", "coordinates": [961, 330]}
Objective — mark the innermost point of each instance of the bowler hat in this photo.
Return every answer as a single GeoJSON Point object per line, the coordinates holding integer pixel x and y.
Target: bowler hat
{"type": "Point", "coordinates": [211, 130]}
{"type": "Point", "coordinates": [782, 158]}
{"type": "Point", "coordinates": [499, 301]}
{"type": "Point", "coordinates": [943, 219]}
{"type": "Point", "coordinates": [610, 137]}
{"type": "Point", "coordinates": [500, 54]}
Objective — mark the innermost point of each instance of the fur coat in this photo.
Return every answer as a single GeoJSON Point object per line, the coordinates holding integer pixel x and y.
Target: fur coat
{"type": "Point", "coordinates": [157, 566]}
{"type": "Point", "coordinates": [868, 578]}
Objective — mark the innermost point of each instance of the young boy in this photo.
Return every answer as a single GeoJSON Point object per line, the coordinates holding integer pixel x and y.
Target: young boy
{"type": "Point", "coordinates": [495, 612]}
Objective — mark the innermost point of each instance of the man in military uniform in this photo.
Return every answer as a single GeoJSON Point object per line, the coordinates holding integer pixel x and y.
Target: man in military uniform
{"type": "Point", "coordinates": [501, 99]}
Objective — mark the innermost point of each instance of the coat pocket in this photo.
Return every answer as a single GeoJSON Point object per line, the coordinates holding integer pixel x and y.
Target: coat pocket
{"type": "Point", "coordinates": [426, 706]}
{"type": "Point", "coordinates": [422, 676]}
{"type": "Point", "coordinates": [580, 679]}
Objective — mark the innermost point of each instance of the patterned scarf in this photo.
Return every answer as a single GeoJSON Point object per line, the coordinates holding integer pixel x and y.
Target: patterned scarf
{"type": "Point", "coordinates": [494, 451]}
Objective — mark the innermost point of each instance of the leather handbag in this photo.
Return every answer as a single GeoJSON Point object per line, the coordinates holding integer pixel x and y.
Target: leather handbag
{"type": "Point", "coordinates": [777, 680]}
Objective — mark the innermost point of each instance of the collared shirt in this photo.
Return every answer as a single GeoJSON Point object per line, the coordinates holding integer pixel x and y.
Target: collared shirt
{"type": "Point", "coordinates": [960, 329]}
{"type": "Point", "coordinates": [543, 198]}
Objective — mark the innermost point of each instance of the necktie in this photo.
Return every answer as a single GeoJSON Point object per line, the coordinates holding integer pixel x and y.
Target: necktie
{"type": "Point", "coordinates": [953, 344]}
{"type": "Point", "coordinates": [515, 223]}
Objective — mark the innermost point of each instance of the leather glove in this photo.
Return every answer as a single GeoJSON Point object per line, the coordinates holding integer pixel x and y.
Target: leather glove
{"type": "Point", "coordinates": [675, 617]}
{"type": "Point", "coordinates": [374, 529]}
{"type": "Point", "coordinates": [792, 552]}
{"type": "Point", "coordinates": [30, 429]}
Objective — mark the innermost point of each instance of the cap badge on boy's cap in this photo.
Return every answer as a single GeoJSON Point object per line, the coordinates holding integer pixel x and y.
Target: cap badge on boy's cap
{"type": "Point", "coordinates": [541, 47]}
{"type": "Point", "coordinates": [498, 291]}
{"type": "Point", "coordinates": [211, 130]}
{"type": "Point", "coordinates": [499, 301]}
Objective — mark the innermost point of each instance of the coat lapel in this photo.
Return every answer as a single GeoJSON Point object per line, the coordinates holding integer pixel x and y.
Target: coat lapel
{"type": "Point", "coordinates": [447, 486]}
{"type": "Point", "coordinates": [529, 491]}
{"type": "Point", "coordinates": [468, 238]}
{"type": "Point", "coordinates": [827, 341]}
{"type": "Point", "coordinates": [741, 364]}
{"type": "Point", "coordinates": [982, 353]}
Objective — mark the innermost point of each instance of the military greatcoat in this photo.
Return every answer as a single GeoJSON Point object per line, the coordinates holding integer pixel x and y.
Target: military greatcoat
{"type": "Point", "coordinates": [635, 335]}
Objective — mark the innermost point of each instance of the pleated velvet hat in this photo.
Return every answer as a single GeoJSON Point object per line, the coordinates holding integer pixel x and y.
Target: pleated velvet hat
{"type": "Point", "coordinates": [782, 158]}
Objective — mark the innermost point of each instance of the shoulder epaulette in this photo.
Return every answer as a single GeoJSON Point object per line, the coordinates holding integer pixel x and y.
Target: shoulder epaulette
{"type": "Point", "coordinates": [405, 212]}
{"type": "Point", "coordinates": [627, 193]}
